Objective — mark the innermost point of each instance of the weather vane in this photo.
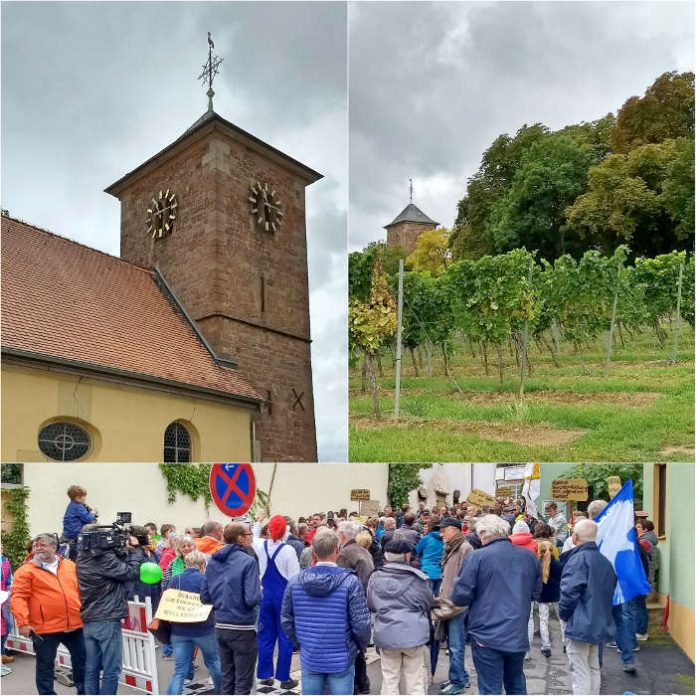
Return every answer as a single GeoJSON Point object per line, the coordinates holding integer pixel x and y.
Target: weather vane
{"type": "Point", "coordinates": [210, 70]}
{"type": "Point", "coordinates": [410, 190]}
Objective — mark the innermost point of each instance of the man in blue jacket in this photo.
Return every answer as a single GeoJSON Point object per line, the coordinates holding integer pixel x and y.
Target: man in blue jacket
{"type": "Point", "coordinates": [498, 583]}
{"type": "Point", "coordinates": [232, 585]}
{"type": "Point", "coordinates": [325, 613]}
{"type": "Point", "coordinates": [587, 591]}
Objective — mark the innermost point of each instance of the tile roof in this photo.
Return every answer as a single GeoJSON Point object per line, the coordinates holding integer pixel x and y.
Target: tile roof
{"type": "Point", "coordinates": [62, 300]}
{"type": "Point", "coordinates": [412, 213]}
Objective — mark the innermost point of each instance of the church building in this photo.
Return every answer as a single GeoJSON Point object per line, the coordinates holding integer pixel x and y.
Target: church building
{"type": "Point", "coordinates": [194, 345]}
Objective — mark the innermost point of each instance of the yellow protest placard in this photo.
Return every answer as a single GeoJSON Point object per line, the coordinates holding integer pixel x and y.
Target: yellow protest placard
{"type": "Point", "coordinates": [182, 607]}
{"type": "Point", "coordinates": [480, 498]}
{"type": "Point", "coordinates": [569, 489]}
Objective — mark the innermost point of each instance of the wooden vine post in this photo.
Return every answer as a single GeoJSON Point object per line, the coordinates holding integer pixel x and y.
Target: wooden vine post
{"type": "Point", "coordinates": [610, 340]}
{"type": "Point", "coordinates": [677, 327]}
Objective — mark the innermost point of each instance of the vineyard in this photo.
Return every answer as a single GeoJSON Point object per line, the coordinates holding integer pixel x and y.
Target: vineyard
{"type": "Point", "coordinates": [510, 358]}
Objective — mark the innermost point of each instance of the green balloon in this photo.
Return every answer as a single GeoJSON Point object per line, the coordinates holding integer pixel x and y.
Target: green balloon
{"type": "Point", "coordinates": [150, 573]}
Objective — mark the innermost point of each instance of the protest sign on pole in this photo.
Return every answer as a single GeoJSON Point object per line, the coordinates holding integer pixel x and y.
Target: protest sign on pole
{"type": "Point", "coordinates": [480, 498]}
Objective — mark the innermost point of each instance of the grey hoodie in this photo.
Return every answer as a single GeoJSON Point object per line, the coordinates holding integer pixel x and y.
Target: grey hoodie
{"type": "Point", "coordinates": [401, 597]}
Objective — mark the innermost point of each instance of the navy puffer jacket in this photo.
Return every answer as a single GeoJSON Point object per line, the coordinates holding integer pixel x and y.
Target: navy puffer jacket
{"type": "Point", "coordinates": [325, 613]}
{"type": "Point", "coordinates": [232, 586]}
{"type": "Point", "coordinates": [587, 591]}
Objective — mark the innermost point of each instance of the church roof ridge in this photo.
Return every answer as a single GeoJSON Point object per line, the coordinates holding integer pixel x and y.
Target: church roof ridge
{"type": "Point", "coordinates": [412, 213]}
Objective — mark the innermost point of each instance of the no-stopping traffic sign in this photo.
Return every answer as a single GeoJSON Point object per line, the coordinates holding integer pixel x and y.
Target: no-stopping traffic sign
{"type": "Point", "coordinates": [232, 487]}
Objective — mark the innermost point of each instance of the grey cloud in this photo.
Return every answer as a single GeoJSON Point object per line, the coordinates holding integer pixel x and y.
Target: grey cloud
{"type": "Point", "coordinates": [432, 84]}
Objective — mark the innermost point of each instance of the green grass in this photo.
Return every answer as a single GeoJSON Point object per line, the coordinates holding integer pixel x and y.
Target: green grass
{"type": "Point", "coordinates": [439, 416]}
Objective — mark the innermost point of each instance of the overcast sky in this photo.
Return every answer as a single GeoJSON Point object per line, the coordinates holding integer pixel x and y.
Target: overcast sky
{"type": "Point", "coordinates": [91, 90]}
{"type": "Point", "coordinates": [432, 84]}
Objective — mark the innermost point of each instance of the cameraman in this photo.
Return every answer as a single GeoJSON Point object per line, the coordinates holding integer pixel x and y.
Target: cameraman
{"type": "Point", "coordinates": [103, 576]}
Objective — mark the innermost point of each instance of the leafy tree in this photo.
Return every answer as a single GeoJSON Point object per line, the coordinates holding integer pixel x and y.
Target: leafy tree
{"type": "Point", "coordinates": [677, 196]}
{"type": "Point", "coordinates": [371, 323]}
{"type": "Point", "coordinates": [432, 251]}
{"type": "Point", "coordinates": [551, 175]}
{"type": "Point", "coordinates": [626, 202]}
{"type": "Point", "coordinates": [596, 476]}
{"type": "Point", "coordinates": [665, 111]}
{"type": "Point", "coordinates": [488, 186]}
{"type": "Point", "coordinates": [593, 134]}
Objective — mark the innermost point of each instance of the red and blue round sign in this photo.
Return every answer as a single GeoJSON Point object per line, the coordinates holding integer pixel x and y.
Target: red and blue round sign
{"type": "Point", "coordinates": [232, 487]}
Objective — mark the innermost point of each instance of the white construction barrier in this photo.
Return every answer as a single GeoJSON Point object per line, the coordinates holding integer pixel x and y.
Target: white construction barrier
{"type": "Point", "coordinates": [139, 667]}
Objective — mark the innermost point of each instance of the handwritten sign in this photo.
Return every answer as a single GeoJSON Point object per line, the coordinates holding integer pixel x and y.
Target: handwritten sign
{"type": "Point", "coordinates": [182, 607]}
{"type": "Point", "coordinates": [569, 489]}
{"type": "Point", "coordinates": [369, 508]}
{"type": "Point", "coordinates": [360, 494]}
{"type": "Point", "coordinates": [480, 498]}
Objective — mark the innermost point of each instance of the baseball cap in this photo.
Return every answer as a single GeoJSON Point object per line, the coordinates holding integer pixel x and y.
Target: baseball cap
{"type": "Point", "coordinates": [449, 522]}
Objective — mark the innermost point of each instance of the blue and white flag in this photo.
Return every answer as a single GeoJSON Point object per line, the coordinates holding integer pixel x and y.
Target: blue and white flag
{"type": "Point", "coordinates": [617, 542]}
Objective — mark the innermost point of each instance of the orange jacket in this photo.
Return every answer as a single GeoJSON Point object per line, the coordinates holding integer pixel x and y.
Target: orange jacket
{"type": "Point", "coordinates": [48, 603]}
{"type": "Point", "coordinates": [208, 545]}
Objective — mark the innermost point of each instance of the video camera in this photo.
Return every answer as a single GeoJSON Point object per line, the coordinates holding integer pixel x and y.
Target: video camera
{"type": "Point", "coordinates": [107, 537]}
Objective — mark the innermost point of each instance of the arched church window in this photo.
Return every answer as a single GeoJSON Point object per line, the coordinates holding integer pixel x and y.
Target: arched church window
{"type": "Point", "coordinates": [177, 444]}
{"type": "Point", "coordinates": [64, 442]}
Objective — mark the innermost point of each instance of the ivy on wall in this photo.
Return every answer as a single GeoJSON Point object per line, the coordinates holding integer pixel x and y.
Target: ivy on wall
{"type": "Point", "coordinates": [403, 478]}
{"type": "Point", "coordinates": [187, 479]}
{"type": "Point", "coordinates": [14, 542]}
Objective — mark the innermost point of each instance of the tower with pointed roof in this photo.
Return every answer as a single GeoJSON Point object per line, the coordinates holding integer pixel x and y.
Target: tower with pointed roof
{"type": "Point", "coordinates": [235, 256]}
{"type": "Point", "coordinates": [403, 231]}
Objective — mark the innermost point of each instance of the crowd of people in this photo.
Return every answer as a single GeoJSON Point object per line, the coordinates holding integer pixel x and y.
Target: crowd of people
{"type": "Point", "coordinates": [330, 584]}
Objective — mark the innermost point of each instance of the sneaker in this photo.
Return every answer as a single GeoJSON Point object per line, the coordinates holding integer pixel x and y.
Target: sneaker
{"type": "Point", "coordinates": [546, 652]}
{"type": "Point", "coordinates": [188, 682]}
{"type": "Point", "coordinates": [636, 649]}
{"type": "Point", "coordinates": [451, 690]}
{"type": "Point", "coordinates": [527, 656]}
{"type": "Point", "coordinates": [612, 644]}
{"type": "Point", "coordinates": [630, 668]}
{"type": "Point", "coordinates": [4, 670]}
{"type": "Point", "coordinates": [444, 685]}
{"type": "Point", "coordinates": [289, 684]}
{"type": "Point", "coordinates": [267, 682]}
{"type": "Point", "coordinates": [642, 637]}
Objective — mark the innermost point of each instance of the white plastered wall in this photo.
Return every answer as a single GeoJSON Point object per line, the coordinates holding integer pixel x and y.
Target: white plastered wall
{"type": "Point", "coordinates": [451, 477]}
{"type": "Point", "coordinates": [298, 490]}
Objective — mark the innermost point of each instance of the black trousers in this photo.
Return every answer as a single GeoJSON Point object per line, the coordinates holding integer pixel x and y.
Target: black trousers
{"type": "Point", "coordinates": [362, 681]}
{"type": "Point", "coordinates": [238, 652]}
{"type": "Point", "coordinates": [46, 650]}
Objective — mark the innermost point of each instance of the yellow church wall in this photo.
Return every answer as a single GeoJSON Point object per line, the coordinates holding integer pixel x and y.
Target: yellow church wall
{"type": "Point", "coordinates": [126, 422]}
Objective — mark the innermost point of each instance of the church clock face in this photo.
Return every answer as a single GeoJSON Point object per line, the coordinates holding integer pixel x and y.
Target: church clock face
{"type": "Point", "coordinates": [266, 207]}
{"type": "Point", "coordinates": [161, 214]}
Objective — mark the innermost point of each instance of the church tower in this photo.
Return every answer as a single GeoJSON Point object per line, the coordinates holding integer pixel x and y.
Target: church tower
{"type": "Point", "coordinates": [221, 215]}
{"type": "Point", "coordinates": [403, 231]}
